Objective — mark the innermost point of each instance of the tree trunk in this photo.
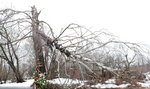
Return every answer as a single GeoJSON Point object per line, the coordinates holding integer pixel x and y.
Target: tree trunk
{"type": "Point", "coordinates": [37, 42]}
{"type": "Point", "coordinates": [17, 73]}
{"type": "Point", "coordinates": [11, 64]}
{"type": "Point", "coordinates": [19, 77]}
{"type": "Point", "coordinates": [54, 73]}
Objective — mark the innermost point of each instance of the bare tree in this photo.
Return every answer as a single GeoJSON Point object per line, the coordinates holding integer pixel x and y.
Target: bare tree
{"type": "Point", "coordinates": [10, 40]}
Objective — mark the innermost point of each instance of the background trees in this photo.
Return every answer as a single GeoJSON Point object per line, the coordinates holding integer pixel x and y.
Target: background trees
{"type": "Point", "coordinates": [12, 31]}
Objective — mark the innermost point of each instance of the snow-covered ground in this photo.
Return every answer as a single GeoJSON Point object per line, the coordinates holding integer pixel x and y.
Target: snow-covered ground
{"type": "Point", "coordinates": [110, 83]}
{"type": "Point", "coordinates": [65, 81]}
{"type": "Point", "coordinates": [146, 82]}
{"type": "Point", "coordinates": [28, 83]}
{"type": "Point", "coordinates": [99, 85]}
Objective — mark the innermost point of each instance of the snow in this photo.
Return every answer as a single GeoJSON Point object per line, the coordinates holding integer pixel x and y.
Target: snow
{"type": "Point", "coordinates": [99, 85]}
{"type": "Point", "coordinates": [65, 81]}
{"type": "Point", "coordinates": [60, 81]}
{"type": "Point", "coordinates": [146, 82]}
{"type": "Point", "coordinates": [28, 83]}
{"type": "Point", "coordinates": [110, 81]}
{"type": "Point", "coordinates": [147, 75]}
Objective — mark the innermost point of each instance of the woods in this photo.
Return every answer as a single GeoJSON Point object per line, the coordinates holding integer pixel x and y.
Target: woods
{"type": "Point", "coordinates": [28, 44]}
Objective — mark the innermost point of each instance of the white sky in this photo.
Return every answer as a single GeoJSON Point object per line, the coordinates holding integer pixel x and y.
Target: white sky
{"type": "Point", "coordinates": [127, 19]}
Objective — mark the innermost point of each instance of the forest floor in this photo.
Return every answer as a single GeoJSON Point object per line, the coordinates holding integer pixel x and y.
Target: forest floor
{"type": "Point", "coordinates": [109, 84]}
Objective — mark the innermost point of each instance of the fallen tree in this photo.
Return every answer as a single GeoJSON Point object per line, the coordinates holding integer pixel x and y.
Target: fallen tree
{"type": "Point", "coordinates": [64, 56]}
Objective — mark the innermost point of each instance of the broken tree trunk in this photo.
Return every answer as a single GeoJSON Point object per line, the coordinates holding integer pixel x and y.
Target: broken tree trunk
{"type": "Point", "coordinates": [37, 42]}
{"type": "Point", "coordinates": [79, 59]}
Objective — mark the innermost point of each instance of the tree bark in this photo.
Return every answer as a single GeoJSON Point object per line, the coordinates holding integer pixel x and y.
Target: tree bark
{"type": "Point", "coordinates": [37, 42]}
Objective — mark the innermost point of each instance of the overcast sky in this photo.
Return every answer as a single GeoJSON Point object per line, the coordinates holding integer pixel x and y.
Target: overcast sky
{"type": "Point", "coordinates": [127, 19]}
